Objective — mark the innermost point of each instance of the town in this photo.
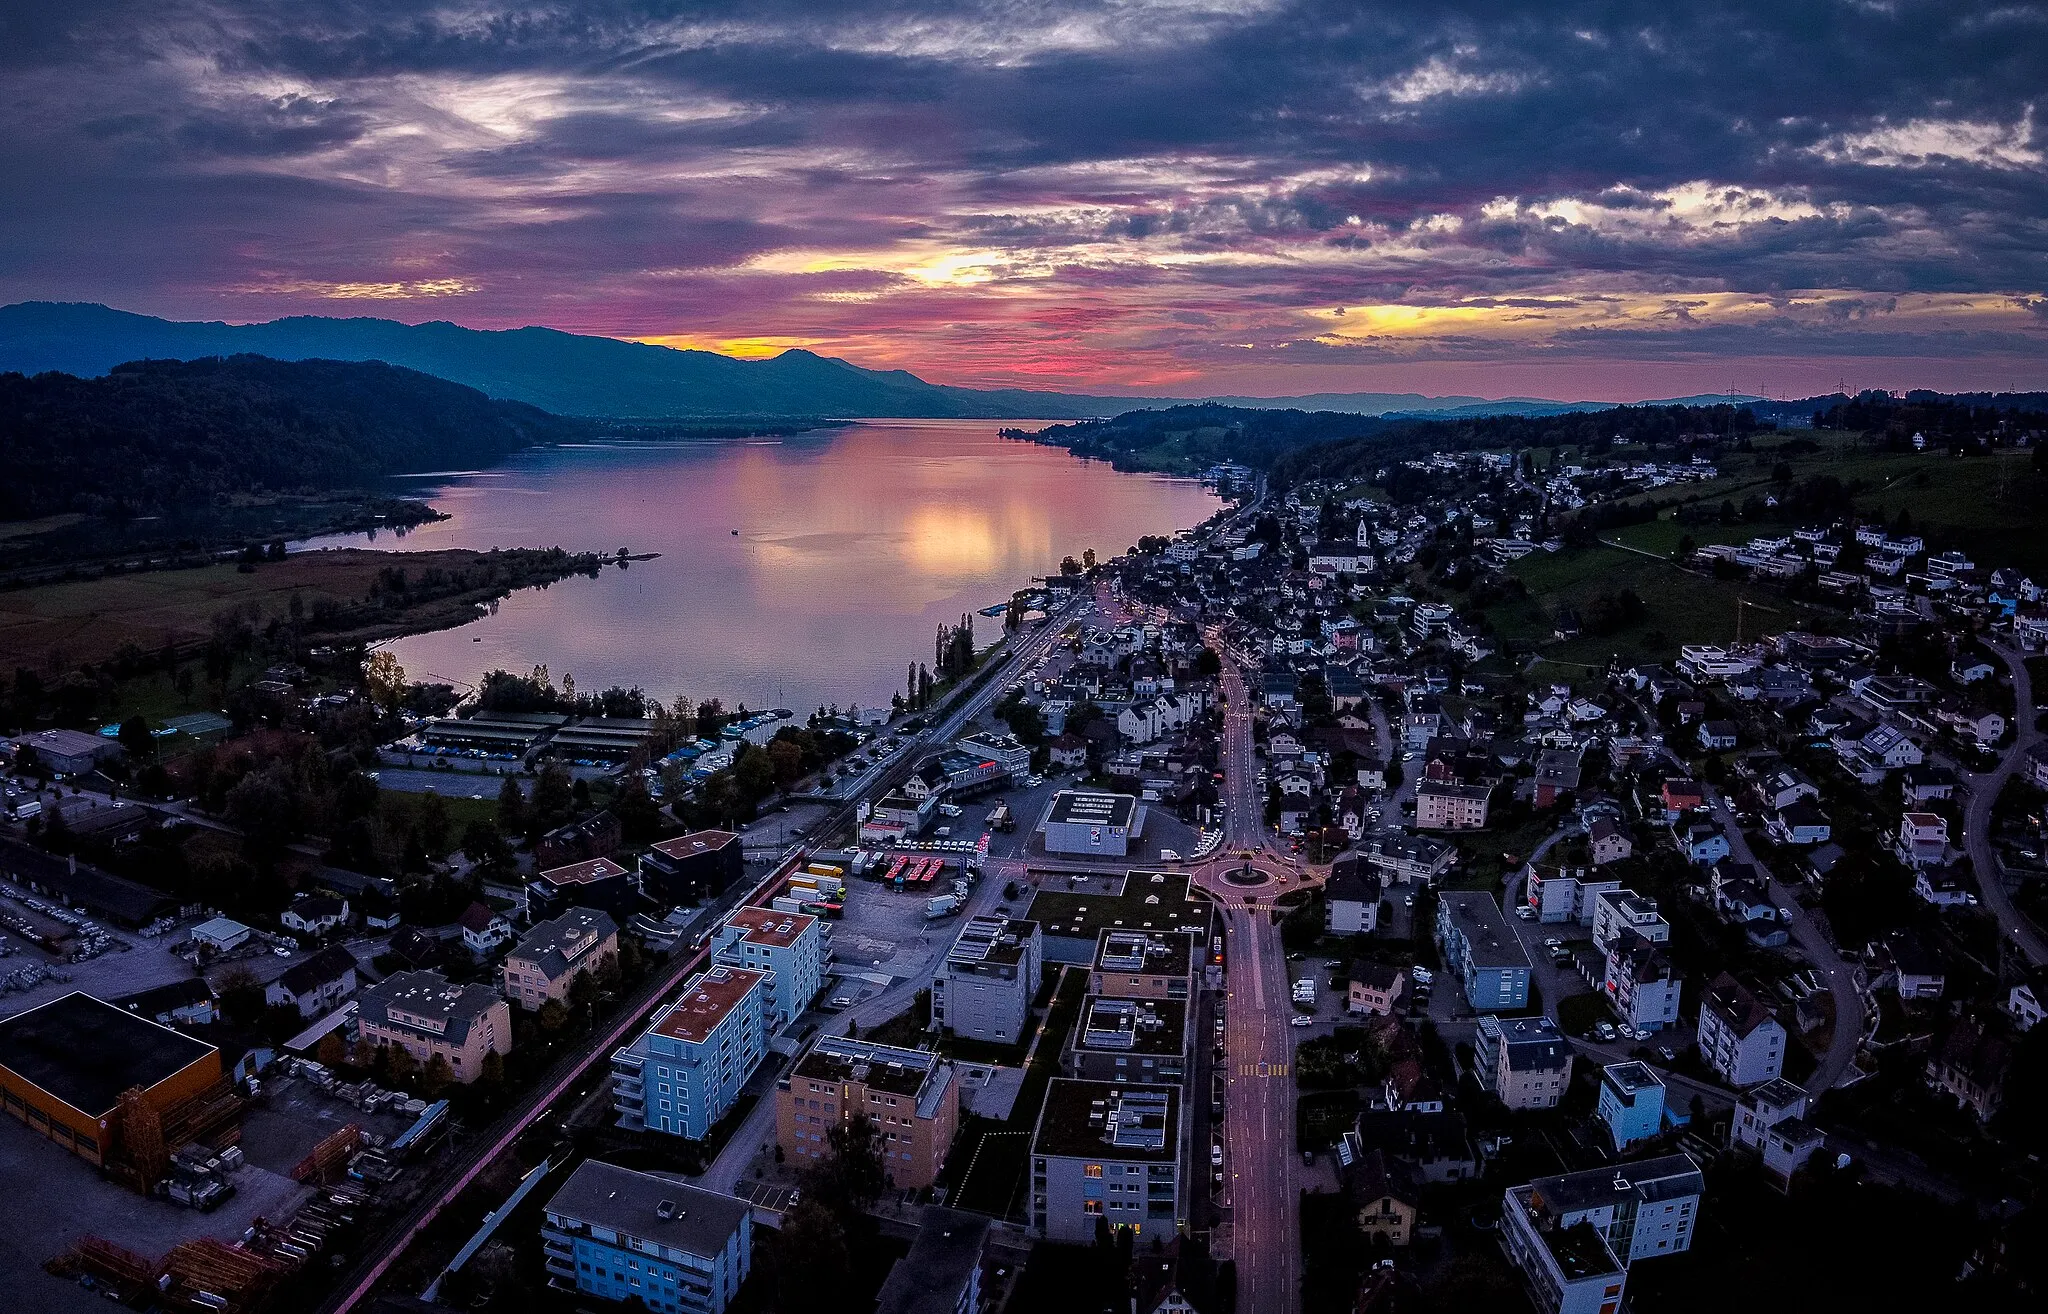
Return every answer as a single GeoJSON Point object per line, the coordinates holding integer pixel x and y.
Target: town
{"type": "Point", "coordinates": [1314, 909]}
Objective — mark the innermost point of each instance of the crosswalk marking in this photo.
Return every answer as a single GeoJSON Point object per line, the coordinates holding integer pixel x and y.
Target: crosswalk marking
{"type": "Point", "coordinates": [1262, 1069]}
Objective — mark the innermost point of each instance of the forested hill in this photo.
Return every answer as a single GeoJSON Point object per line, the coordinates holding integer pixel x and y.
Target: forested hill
{"type": "Point", "coordinates": [156, 436]}
{"type": "Point", "coordinates": [1297, 445]}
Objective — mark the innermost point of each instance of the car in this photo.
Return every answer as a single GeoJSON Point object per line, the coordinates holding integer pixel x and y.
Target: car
{"type": "Point", "coordinates": [1334, 964]}
{"type": "Point", "coordinates": [1553, 944]}
{"type": "Point", "coordinates": [1668, 1054]}
{"type": "Point", "coordinates": [1216, 1155]}
{"type": "Point", "coordinates": [842, 1001]}
{"type": "Point", "coordinates": [1524, 911]}
{"type": "Point", "coordinates": [1308, 1158]}
{"type": "Point", "coordinates": [1604, 1030]}
{"type": "Point", "coordinates": [281, 951]}
{"type": "Point", "coordinates": [1422, 974]}
{"type": "Point", "coordinates": [1408, 901]}
{"type": "Point", "coordinates": [1628, 1032]}
{"type": "Point", "coordinates": [1301, 1020]}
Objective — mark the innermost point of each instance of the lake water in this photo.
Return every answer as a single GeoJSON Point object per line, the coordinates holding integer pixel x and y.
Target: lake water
{"type": "Point", "coordinates": [852, 547]}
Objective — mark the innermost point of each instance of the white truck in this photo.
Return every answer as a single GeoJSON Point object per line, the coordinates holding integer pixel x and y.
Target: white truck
{"type": "Point", "coordinates": [942, 905]}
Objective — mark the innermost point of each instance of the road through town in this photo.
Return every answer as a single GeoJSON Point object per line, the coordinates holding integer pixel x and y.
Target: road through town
{"type": "Point", "coordinates": [1984, 789]}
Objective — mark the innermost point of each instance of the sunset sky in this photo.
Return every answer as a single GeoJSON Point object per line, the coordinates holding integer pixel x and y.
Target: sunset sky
{"type": "Point", "coordinates": [1169, 196]}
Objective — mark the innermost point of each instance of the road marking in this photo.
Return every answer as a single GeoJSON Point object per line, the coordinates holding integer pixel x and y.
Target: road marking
{"type": "Point", "coordinates": [1262, 1069]}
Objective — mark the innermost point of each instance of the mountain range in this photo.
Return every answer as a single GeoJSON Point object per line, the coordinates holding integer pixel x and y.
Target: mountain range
{"type": "Point", "coordinates": [581, 375]}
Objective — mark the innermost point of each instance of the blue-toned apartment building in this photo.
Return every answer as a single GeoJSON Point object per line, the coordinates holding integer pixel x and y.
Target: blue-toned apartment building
{"type": "Point", "coordinates": [621, 1235]}
{"type": "Point", "coordinates": [686, 1070]}
{"type": "Point", "coordinates": [1481, 951]}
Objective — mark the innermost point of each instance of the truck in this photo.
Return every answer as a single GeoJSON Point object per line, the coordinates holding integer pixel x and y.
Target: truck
{"type": "Point", "coordinates": [941, 905]}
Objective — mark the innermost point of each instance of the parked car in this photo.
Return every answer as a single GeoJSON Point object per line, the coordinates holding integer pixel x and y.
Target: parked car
{"type": "Point", "coordinates": [1604, 1030]}
{"type": "Point", "coordinates": [1524, 911]}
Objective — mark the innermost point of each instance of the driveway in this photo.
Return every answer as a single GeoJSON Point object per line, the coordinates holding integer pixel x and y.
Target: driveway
{"type": "Point", "coordinates": [1984, 789]}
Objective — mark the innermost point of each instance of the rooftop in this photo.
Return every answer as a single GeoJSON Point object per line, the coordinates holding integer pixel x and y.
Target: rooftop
{"type": "Point", "coordinates": [706, 1000]}
{"type": "Point", "coordinates": [1489, 942]}
{"type": "Point", "coordinates": [930, 1278]}
{"type": "Point", "coordinates": [765, 926]}
{"type": "Point", "coordinates": [1109, 1120]}
{"type": "Point", "coordinates": [698, 841]}
{"type": "Point", "coordinates": [427, 1002]}
{"type": "Point", "coordinates": [650, 1208]}
{"type": "Point", "coordinates": [879, 1067]}
{"type": "Point", "coordinates": [1147, 901]}
{"type": "Point", "coordinates": [1144, 951]}
{"type": "Point", "coordinates": [997, 940]}
{"type": "Point", "coordinates": [1669, 1177]}
{"type": "Point", "coordinates": [559, 944]}
{"type": "Point", "coordinates": [1629, 1078]}
{"type": "Point", "coordinates": [583, 873]}
{"type": "Point", "coordinates": [1136, 1026]}
{"type": "Point", "coordinates": [86, 1051]}
{"type": "Point", "coordinates": [1088, 808]}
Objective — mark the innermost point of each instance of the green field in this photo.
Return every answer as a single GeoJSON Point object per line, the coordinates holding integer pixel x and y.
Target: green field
{"type": "Point", "coordinates": [1680, 606]}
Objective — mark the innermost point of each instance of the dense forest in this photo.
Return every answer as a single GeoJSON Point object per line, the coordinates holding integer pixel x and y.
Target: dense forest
{"type": "Point", "coordinates": [159, 436]}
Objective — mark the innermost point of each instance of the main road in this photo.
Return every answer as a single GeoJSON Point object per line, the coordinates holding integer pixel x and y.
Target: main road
{"type": "Point", "coordinates": [1977, 818]}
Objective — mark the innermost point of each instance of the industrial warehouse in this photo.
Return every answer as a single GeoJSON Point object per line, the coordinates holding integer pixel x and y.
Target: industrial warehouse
{"type": "Point", "coordinates": [101, 1081]}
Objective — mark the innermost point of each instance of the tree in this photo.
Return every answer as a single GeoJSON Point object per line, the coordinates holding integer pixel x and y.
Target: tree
{"type": "Point", "coordinates": [553, 799]}
{"type": "Point", "coordinates": [398, 1064]}
{"type": "Point", "coordinates": [493, 1071]}
{"type": "Point", "coordinates": [552, 1016]}
{"type": "Point", "coordinates": [1208, 663]}
{"type": "Point", "coordinates": [786, 761]}
{"type": "Point", "coordinates": [850, 1177]}
{"type": "Point", "coordinates": [332, 1051]}
{"type": "Point", "coordinates": [436, 1077]}
{"type": "Point", "coordinates": [812, 1267]}
{"type": "Point", "coordinates": [487, 849]}
{"type": "Point", "coordinates": [431, 824]}
{"type": "Point", "coordinates": [384, 681]}
{"type": "Point", "coordinates": [135, 739]}
{"type": "Point", "coordinates": [639, 815]}
{"type": "Point", "coordinates": [511, 807]}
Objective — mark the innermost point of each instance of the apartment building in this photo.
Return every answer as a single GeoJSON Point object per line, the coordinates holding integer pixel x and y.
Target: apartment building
{"type": "Point", "coordinates": [1481, 951]}
{"type": "Point", "coordinates": [1631, 1102]}
{"type": "Point", "coordinates": [1617, 909]}
{"type": "Point", "coordinates": [942, 1272]}
{"type": "Point", "coordinates": [619, 1235]}
{"type": "Point", "coordinates": [985, 987]}
{"type": "Point", "coordinates": [430, 1017]}
{"type": "Point", "coordinates": [1525, 1061]}
{"type": "Point", "coordinates": [1738, 1036]}
{"type": "Point", "coordinates": [1566, 894]}
{"type": "Point", "coordinates": [593, 883]}
{"type": "Point", "coordinates": [692, 867]}
{"type": "Point", "coordinates": [1639, 980]}
{"type": "Point", "coordinates": [1143, 964]}
{"type": "Point", "coordinates": [686, 1070]}
{"type": "Point", "coordinates": [789, 947]}
{"type": "Point", "coordinates": [1144, 1040]}
{"type": "Point", "coordinates": [1574, 1235]}
{"type": "Point", "coordinates": [1443, 806]}
{"type": "Point", "coordinates": [911, 1095]}
{"type": "Point", "coordinates": [1106, 1150]}
{"type": "Point", "coordinates": [551, 955]}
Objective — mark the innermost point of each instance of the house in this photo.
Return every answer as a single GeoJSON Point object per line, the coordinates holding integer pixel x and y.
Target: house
{"type": "Point", "coordinates": [1680, 796]}
{"type": "Point", "coordinates": [1738, 1037]}
{"type": "Point", "coordinates": [189, 1003]}
{"type": "Point", "coordinates": [1970, 1065]}
{"type": "Point", "coordinates": [1557, 773]}
{"type": "Point", "coordinates": [1609, 842]}
{"type": "Point", "coordinates": [595, 836]}
{"type": "Point", "coordinates": [1705, 843]}
{"type": "Point", "coordinates": [1770, 1120]}
{"type": "Point", "coordinates": [1784, 787]}
{"type": "Point", "coordinates": [1802, 823]}
{"type": "Point", "coordinates": [1374, 988]}
{"type": "Point", "coordinates": [483, 930]}
{"type": "Point", "coordinates": [315, 914]}
{"type": "Point", "coordinates": [1524, 1061]}
{"type": "Point", "coordinates": [1068, 752]}
{"type": "Point", "coordinates": [1969, 670]}
{"type": "Point", "coordinates": [1922, 839]}
{"type": "Point", "coordinates": [1351, 898]}
{"type": "Point", "coordinates": [592, 883]}
{"type": "Point", "coordinates": [1384, 1198]}
{"type": "Point", "coordinates": [1716, 736]}
{"type": "Point", "coordinates": [1904, 963]}
{"type": "Point", "coordinates": [316, 985]}
{"type": "Point", "coordinates": [1924, 784]}
{"type": "Point", "coordinates": [1631, 1103]}
{"type": "Point", "coordinates": [1434, 1147]}
{"type": "Point", "coordinates": [2023, 1005]}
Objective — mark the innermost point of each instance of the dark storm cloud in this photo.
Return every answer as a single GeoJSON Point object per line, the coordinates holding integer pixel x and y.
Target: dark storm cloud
{"type": "Point", "coordinates": [1248, 161]}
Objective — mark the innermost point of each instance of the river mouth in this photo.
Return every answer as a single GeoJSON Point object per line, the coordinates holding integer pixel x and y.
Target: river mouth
{"type": "Point", "coordinates": [806, 572]}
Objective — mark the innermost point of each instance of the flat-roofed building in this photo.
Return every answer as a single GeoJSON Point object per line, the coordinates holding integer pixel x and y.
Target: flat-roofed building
{"type": "Point", "coordinates": [1440, 805]}
{"type": "Point", "coordinates": [1481, 951]}
{"type": "Point", "coordinates": [550, 955]}
{"type": "Point", "coordinates": [790, 947]}
{"type": "Point", "coordinates": [1525, 1061]}
{"type": "Point", "coordinates": [64, 1066]}
{"type": "Point", "coordinates": [1090, 822]}
{"type": "Point", "coordinates": [1143, 965]}
{"type": "Point", "coordinates": [1106, 1151]}
{"type": "Point", "coordinates": [984, 988]}
{"type": "Point", "coordinates": [1631, 1102]}
{"type": "Point", "coordinates": [1575, 1235]}
{"type": "Point", "coordinates": [1771, 1120]}
{"type": "Point", "coordinates": [911, 1095]}
{"type": "Point", "coordinates": [1738, 1036]}
{"type": "Point", "coordinates": [429, 1017]}
{"type": "Point", "coordinates": [593, 883]}
{"type": "Point", "coordinates": [624, 1236]}
{"type": "Point", "coordinates": [1073, 920]}
{"type": "Point", "coordinates": [691, 868]}
{"type": "Point", "coordinates": [942, 1272]}
{"type": "Point", "coordinates": [686, 1070]}
{"type": "Point", "coordinates": [1617, 910]}
{"type": "Point", "coordinates": [1128, 1040]}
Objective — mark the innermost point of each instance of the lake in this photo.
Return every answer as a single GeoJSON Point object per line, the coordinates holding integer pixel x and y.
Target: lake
{"type": "Point", "coordinates": [795, 572]}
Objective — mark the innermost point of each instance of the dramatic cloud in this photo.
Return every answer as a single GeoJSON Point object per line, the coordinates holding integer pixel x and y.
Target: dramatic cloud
{"type": "Point", "coordinates": [1571, 198]}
